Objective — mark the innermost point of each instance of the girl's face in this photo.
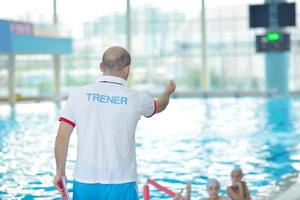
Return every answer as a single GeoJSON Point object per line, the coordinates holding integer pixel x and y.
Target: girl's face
{"type": "Point", "coordinates": [236, 177]}
{"type": "Point", "coordinates": [213, 191]}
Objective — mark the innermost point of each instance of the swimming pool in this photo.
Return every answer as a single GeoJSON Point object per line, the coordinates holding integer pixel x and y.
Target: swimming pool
{"type": "Point", "coordinates": [193, 140]}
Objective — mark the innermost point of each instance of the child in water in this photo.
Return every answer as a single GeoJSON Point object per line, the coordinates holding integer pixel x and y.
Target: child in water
{"type": "Point", "coordinates": [213, 188]}
{"type": "Point", "coordinates": [188, 193]}
{"type": "Point", "coordinates": [238, 190]}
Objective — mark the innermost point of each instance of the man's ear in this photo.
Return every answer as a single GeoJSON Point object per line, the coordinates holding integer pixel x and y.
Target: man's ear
{"type": "Point", "coordinates": [126, 69]}
{"type": "Point", "coordinates": [102, 67]}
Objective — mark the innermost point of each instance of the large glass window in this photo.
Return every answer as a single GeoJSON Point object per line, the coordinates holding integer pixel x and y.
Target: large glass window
{"type": "Point", "coordinates": [166, 39]}
{"type": "Point", "coordinates": [166, 43]}
{"type": "Point", "coordinates": [34, 76]}
{"type": "Point", "coordinates": [3, 76]}
{"type": "Point", "coordinates": [29, 10]}
{"type": "Point", "coordinates": [97, 26]}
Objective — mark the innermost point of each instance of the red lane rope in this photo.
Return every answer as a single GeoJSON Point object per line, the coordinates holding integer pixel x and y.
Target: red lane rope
{"type": "Point", "coordinates": [162, 188]}
{"type": "Point", "coordinates": [146, 192]}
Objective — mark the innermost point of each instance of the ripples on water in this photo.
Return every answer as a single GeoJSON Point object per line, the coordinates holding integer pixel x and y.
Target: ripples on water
{"type": "Point", "coordinates": [195, 139]}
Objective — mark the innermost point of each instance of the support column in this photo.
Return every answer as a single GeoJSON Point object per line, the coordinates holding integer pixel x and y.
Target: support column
{"type": "Point", "coordinates": [204, 79]}
{"type": "Point", "coordinates": [128, 27]}
{"type": "Point", "coordinates": [11, 79]}
{"type": "Point", "coordinates": [56, 61]}
{"type": "Point", "coordinates": [54, 12]}
{"type": "Point", "coordinates": [57, 79]}
{"type": "Point", "coordinates": [128, 36]}
{"type": "Point", "coordinates": [276, 63]}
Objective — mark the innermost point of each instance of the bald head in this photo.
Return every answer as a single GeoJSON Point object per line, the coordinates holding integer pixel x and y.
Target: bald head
{"type": "Point", "coordinates": [116, 58]}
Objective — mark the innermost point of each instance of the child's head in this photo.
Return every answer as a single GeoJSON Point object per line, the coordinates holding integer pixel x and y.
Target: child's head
{"type": "Point", "coordinates": [236, 174]}
{"type": "Point", "coordinates": [213, 187]}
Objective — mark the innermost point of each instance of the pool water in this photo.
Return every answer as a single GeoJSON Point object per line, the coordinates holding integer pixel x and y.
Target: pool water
{"type": "Point", "coordinates": [194, 139]}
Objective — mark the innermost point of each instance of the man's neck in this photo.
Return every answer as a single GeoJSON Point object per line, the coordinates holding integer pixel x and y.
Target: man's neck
{"type": "Point", "coordinates": [116, 74]}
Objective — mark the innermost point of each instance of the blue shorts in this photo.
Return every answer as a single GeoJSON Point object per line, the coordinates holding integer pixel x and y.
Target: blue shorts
{"type": "Point", "coordinates": [97, 191]}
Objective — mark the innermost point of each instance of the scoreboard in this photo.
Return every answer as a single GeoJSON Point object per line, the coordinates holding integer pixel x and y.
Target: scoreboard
{"type": "Point", "coordinates": [273, 41]}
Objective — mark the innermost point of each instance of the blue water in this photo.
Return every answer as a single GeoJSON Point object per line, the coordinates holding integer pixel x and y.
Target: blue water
{"type": "Point", "coordinates": [195, 139]}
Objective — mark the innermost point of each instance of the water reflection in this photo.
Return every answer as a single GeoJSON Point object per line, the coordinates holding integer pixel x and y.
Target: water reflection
{"type": "Point", "coordinates": [279, 115]}
{"type": "Point", "coordinates": [194, 140]}
{"type": "Point", "coordinates": [280, 138]}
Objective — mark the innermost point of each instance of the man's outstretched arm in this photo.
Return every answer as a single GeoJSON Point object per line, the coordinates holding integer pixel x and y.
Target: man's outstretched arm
{"type": "Point", "coordinates": [61, 150]}
{"type": "Point", "coordinates": [163, 100]}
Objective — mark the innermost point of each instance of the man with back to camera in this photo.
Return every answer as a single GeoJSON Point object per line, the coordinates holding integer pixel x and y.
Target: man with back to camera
{"type": "Point", "coordinates": [106, 114]}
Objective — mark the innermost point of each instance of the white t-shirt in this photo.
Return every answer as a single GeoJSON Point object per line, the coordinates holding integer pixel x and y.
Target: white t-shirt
{"type": "Point", "coordinates": [106, 114]}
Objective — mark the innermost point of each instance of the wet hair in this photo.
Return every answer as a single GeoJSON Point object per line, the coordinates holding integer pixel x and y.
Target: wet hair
{"type": "Point", "coordinates": [211, 182]}
{"type": "Point", "coordinates": [237, 168]}
{"type": "Point", "coordinates": [116, 58]}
